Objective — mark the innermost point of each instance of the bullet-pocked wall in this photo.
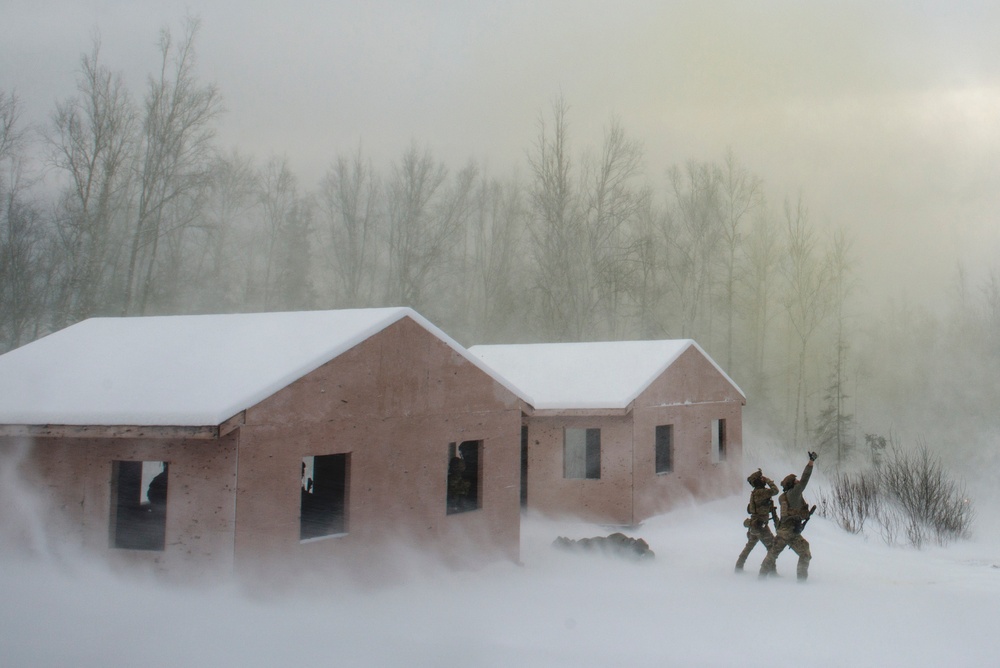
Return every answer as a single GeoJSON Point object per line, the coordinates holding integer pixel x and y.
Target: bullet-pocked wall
{"type": "Point", "coordinates": [82, 478]}
{"type": "Point", "coordinates": [394, 407]}
{"type": "Point", "coordinates": [377, 427]}
{"type": "Point", "coordinates": [691, 414]}
{"type": "Point", "coordinates": [705, 411]}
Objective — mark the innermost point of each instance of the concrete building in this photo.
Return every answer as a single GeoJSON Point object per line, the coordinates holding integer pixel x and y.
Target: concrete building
{"type": "Point", "coordinates": [263, 444]}
{"type": "Point", "coordinates": [617, 432]}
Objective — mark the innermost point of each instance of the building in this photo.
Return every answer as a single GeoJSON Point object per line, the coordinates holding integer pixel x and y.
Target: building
{"type": "Point", "coordinates": [617, 432]}
{"type": "Point", "coordinates": [270, 443]}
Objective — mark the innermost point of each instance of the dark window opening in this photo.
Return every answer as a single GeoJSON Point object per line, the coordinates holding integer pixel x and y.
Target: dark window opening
{"type": "Point", "coordinates": [139, 505]}
{"type": "Point", "coordinates": [464, 476]}
{"type": "Point", "coordinates": [582, 453]}
{"type": "Point", "coordinates": [718, 440]}
{"type": "Point", "coordinates": [664, 448]}
{"type": "Point", "coordinates": [324, 496]}
{"type": "Point", "coordinates": [524, 466]}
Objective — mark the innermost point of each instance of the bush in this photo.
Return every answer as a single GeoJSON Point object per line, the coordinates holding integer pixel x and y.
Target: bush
{"type": "Point", "coordinates": [904, 494]}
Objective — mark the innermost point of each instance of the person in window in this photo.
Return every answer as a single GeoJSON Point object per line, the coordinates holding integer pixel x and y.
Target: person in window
{"type": "Point", "coordinates": [157, 490]}
{"type": "Point", "coordinates": [760, 508]}
{"type": "Point", "coordinates": [794, 514]}
{"type": "Point", "coordinates": [458, 485]}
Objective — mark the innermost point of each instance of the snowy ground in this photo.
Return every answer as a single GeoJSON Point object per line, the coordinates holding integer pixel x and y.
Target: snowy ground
{"type": "Point", "coordinates": [866, 604]}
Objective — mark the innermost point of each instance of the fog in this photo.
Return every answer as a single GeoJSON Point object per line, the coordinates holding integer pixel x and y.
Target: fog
{"type": "Point", "coordinates": [865, 603]}
{"type": "Point", "coordinates": [883, 116]}
{"type": "Point", "coordinates": [877, 119]}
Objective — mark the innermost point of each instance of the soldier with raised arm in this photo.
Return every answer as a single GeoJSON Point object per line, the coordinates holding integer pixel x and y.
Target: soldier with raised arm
{"type": "Point", "coordinates": [760, 508]}
{"type": "Point", "coordinates": [795, 512]}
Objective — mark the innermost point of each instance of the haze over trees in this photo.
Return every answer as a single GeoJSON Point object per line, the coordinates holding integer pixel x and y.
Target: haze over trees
{"type": "Point", "coordinates": [140, 212]}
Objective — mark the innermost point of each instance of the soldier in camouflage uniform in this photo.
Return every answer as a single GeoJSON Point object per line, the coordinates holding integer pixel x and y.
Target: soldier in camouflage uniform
{"type": "Point", "coordinates": [760, 508]}
{"type": "Point", "coordinates": [794, 513]}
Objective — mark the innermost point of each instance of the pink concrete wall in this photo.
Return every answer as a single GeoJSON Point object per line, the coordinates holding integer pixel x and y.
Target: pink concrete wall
{"type": "Point", "coordinates": [608, 499]}
{"type": "Point", "coordinates": [689, 395]}
{"type": "Point", "coordinates": [394, 402]}
{"type": "Point", "coordinates": [74, 475]}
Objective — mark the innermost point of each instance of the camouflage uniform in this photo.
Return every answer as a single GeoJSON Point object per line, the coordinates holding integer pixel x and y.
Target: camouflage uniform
{"type": "Point", "coordinates": [794, 511]}
{"type": "Point", "coordinates": [760, 507]}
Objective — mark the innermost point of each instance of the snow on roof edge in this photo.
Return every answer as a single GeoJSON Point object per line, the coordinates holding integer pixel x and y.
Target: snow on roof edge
{"type": "Point", "coordinates": [393, 315]}
{"type": "Point", "coordinates": [641, 387]}
{"type": "Point", "coordinates": [719, 369]}
{"type": "Point", "coordinates": [464, 352]}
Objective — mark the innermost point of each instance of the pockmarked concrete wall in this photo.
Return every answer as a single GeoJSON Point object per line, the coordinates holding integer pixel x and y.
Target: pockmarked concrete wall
{"type": "Point", "coordinates": [74, 478]}
{"type": "Point", "coordinates": [689, 395]}
{"type": "Point", "coordinates": [607, 499]}
{"type": "Point", "coordinates": [393, 403]}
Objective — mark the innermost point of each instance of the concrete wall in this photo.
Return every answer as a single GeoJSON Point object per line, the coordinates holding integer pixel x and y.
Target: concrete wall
{"type": "Point", "coordinates": [689, 395]}
{"type": "Point", "coordinates": [75, 478]}
{"type": "Point", "coordinates": [394, 402]}
{"type": "Point", "coordinates": [608, 499]}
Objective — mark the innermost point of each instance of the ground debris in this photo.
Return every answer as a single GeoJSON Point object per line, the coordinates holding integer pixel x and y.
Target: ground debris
{"type": "Point", "coordinates": [617, 544]}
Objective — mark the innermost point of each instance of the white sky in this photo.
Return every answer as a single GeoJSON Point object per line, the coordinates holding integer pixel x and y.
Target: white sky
{"type": "Point", "coordinates": [885, 116]}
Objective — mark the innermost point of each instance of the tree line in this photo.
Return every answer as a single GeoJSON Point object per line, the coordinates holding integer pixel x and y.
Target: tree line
{"type": "Point", "coordinates": [141, 212]}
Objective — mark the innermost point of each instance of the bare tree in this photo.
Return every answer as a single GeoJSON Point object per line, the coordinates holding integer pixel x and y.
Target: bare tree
{"type": "Point", "coordinates": [22, 256]}
{"type": "Point", "coordinates": [92, 140]}
{"type": "Point", "coordinates": [740, 194]}
{"type": "Point", "coordinates": [175, 153]}
{"type": "Point", "coordinates": [648, 282]}
{"type": "Point", "coordinates": [692, 236]}
{"type": "Point", "coordinates": [834, 423]}
{"type": "Point", "coordinates": [12, 135]}
{"type": "Point", "coordinates": [230, 197]}
{"type": "Point", "coordinates": [294, 275]}
{"type": "Point", "coordinates": [556, 230]}
{"type": "Point", "coordinates": [611, 207]}
{"type": "Point", "coordinates": [496, 231]}
{"type": "Point", "coordinates": [423, 224]}
{"type": "Point", "coordinates": [763, 254]}
{"type": "Point", "coordinates": [278, 199]}
{"type": "Point", "coordinates": [350, 203]}
{"type": "Point", "coordinates": [807, 299]}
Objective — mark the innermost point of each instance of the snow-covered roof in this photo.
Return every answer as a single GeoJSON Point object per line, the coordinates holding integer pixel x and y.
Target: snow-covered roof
{"type": "Point", "coordinates": [193, 370]}
{"type": "Point", "coordinates": [590, 375]}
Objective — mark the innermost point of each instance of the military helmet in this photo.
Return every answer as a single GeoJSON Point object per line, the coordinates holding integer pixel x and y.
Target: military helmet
{"type": "Point", "coordinates": [756, 478]}
{"type": "Point", "coordinates": [788, 482]}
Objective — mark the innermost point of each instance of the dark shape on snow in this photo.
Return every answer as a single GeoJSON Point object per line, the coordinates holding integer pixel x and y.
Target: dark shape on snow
{"type": "Point", "coordinates": [617, 544]}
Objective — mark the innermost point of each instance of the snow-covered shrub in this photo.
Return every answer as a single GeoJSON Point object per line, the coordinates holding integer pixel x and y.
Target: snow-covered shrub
{"type": "Point", "coordinates": [906, 494]}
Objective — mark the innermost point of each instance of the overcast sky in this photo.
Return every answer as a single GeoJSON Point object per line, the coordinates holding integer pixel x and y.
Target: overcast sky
{"type": "Point", "coordinates": [885, 116]}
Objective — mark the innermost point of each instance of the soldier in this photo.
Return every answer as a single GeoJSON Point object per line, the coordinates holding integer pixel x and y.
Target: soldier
{"type": "Point", "coordinates": [761, 507]}
{"type": "Point", "coordinates": [794, 513]}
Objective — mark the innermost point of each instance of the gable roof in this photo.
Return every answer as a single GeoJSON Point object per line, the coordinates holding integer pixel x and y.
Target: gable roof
{"type": "Point", "coordinates": [180, 370]}
{"type": "Point", "coordinates": [589, 375]}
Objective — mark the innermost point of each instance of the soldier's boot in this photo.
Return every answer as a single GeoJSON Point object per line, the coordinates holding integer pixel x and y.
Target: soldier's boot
{"type": "Point", "coordinates": [742, 559]}
{"type": "Point", "coordinates": [802, 570]}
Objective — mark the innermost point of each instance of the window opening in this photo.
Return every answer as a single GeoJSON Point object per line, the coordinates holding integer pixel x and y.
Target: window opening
{"type": "Point", "coordinates": [324, 496]}
{"type": "Point", "coordinates": [524, 466]}
{"type": "Point", "coordinates": [139, 504]}
{"type": "Point", "coordinates": [464, 476]}
{"type": "Point", "coordinates": [582, 453]}
{"type": "Point", "coordinates": [718, 440]}
{"type": "Point", "coordinates": [664, 448]}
